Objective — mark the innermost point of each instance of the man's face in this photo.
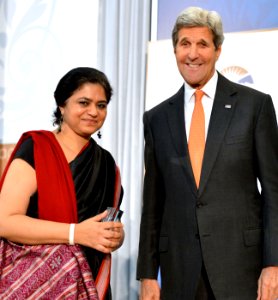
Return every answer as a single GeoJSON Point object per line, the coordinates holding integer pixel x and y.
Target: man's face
{"type": "Point", "coordinates": [196, 55]}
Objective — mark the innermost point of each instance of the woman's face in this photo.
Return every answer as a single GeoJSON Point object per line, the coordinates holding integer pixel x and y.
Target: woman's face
{"type": "Point", "coordinates": [85, 111]}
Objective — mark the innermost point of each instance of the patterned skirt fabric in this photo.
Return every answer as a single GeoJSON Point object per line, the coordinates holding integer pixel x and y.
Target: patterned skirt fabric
{"type": "Point", "coordinates": [44, 272]}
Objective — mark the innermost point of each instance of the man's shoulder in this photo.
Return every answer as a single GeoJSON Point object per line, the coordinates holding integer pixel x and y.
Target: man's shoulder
{"type": "Point", "coordinates": [238, 87]}
{"type": "Point", "coordinates": [174, 99]}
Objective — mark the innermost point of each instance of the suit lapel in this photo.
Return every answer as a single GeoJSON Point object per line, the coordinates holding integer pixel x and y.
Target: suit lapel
{"type": "Point", "coordinates": [176, 122]}
{"type": "Point", "coordinates": [222, 111]}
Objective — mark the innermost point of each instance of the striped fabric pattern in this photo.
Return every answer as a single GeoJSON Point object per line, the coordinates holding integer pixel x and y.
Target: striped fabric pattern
{"type": "Point", "coordinates": [44, 272]}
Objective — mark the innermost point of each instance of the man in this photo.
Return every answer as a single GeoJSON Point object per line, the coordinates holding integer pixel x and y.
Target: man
{"type": "Point", "coordinates": [205, 223]}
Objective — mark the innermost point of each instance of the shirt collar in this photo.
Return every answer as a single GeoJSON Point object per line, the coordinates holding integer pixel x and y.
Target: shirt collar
{"type": "Point", "coordinates": [209, 88]}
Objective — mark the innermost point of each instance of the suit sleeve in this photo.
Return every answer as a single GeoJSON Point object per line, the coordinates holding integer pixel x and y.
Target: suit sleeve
{"type": "Point", "coordinates": [148, 258]}
{"type": "Point", "coordinates": [266, 142]}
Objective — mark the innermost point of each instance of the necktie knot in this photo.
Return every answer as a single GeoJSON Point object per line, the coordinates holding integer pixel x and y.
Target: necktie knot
{"type": "Point", "coordinates": [198, 95]}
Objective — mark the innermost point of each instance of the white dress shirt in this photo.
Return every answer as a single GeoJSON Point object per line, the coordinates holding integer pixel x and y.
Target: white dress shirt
{"type": "Point", "coordinates": [207, 101]}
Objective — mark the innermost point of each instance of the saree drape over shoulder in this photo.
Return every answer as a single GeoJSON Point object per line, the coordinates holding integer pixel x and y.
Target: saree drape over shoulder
{"type": "Point", "coordinates": [67, 193]}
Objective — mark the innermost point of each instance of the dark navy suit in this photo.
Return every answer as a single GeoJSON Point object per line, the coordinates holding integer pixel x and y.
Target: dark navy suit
{"type": "Point", "coordinates": [228, 224]}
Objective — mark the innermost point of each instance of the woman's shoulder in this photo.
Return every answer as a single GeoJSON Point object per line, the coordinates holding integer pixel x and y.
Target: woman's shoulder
{"type": "Point", "coordinates": [106, 153]}
{"type": "Point", "coordinates": [25, 151]}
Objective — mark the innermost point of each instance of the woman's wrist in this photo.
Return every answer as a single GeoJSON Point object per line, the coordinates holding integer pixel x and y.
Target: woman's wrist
{"type": "Point", "coordinates": [71, 234]}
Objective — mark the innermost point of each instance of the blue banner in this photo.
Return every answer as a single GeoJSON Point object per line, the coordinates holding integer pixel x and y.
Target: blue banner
{"type": "Point", "coordinates": [237, 15]}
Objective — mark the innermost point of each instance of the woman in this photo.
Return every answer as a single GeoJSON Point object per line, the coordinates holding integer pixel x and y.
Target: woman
{"type": "Point", "coordinates": [55, 191]}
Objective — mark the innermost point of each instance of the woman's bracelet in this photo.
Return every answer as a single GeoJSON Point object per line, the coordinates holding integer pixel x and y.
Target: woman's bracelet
{"type": "Point", "coordinates": [71, 234]}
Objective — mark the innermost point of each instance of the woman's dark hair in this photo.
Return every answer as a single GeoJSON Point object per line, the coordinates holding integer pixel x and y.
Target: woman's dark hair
{"type": "Point", "coordinates": [74, 79]}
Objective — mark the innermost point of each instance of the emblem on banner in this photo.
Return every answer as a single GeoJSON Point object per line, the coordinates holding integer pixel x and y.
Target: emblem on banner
{"type": "Point", "coordinates": [238, 74]}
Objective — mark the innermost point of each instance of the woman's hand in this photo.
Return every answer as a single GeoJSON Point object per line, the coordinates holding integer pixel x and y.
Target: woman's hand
{"type": "Point", "coordinates": [105, 237]}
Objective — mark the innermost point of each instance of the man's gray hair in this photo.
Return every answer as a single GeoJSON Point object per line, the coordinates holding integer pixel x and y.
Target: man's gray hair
{"type": "Point", "coordinates": [198, 17]}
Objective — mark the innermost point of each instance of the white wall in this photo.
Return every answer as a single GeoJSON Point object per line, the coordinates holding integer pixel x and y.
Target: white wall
{"type": "Point", "coordinates": [44, 40]}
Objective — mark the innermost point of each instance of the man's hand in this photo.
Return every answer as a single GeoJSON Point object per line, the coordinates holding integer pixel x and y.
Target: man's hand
{"type": "Point", "coordinates": [150, 289]}
{"type": "Point", "coordinates": [268, 284]}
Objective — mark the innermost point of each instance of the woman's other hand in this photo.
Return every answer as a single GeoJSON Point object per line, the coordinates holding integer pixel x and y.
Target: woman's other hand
{"type": "Point", "coordinates": [105, 237]}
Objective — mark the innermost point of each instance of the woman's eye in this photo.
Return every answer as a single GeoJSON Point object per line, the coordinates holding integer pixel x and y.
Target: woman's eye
{"type": "Point", "coordinates": [102, 105]}
{"type": "Point", "coordinates": [83, 102]}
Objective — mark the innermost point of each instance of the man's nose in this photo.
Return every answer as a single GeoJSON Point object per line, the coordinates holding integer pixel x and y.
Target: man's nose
{"type": "Point", "coordinates": [193, 52]}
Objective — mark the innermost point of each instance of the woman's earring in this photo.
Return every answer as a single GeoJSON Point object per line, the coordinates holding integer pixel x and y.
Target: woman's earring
{"type": "Point", "coordinates": [99, 134]}
{"type": "Point", "coordinates": [60, 124]}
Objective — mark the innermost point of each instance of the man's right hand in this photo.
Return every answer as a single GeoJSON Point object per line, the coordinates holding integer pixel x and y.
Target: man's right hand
{"type": "Point", "coordinates": [150, 289]}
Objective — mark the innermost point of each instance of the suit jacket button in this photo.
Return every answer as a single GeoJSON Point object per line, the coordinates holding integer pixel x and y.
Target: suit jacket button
{"type": "Point", "coordinates": [199, 204]}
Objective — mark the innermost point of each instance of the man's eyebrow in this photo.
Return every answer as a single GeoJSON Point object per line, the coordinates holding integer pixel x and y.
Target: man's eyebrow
{"type": "Point", "coordinates": [184, 39]}
{"type": "Point", "coordinates": [203, 41]}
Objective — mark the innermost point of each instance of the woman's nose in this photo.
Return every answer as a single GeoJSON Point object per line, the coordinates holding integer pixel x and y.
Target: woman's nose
{"type": "Point", "coordinates": [92, 110]}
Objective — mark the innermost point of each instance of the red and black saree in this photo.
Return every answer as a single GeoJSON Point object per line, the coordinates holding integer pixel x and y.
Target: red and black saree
{"type": "Point", "coordinates": [66, 193]}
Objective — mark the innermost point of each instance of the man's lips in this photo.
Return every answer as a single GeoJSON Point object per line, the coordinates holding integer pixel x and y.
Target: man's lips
{"type": "Point", "coordinates": [193, 66]}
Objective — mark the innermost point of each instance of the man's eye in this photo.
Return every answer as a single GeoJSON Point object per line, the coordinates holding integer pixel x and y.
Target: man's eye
{"type": "Point", "coordinates": [184, 43]}
{"type": "Point", "coordinates": [203, 45]}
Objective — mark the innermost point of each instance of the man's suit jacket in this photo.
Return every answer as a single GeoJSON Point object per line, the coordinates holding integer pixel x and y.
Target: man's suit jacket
{"type": "Point", "coordinates": [227, 224]}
